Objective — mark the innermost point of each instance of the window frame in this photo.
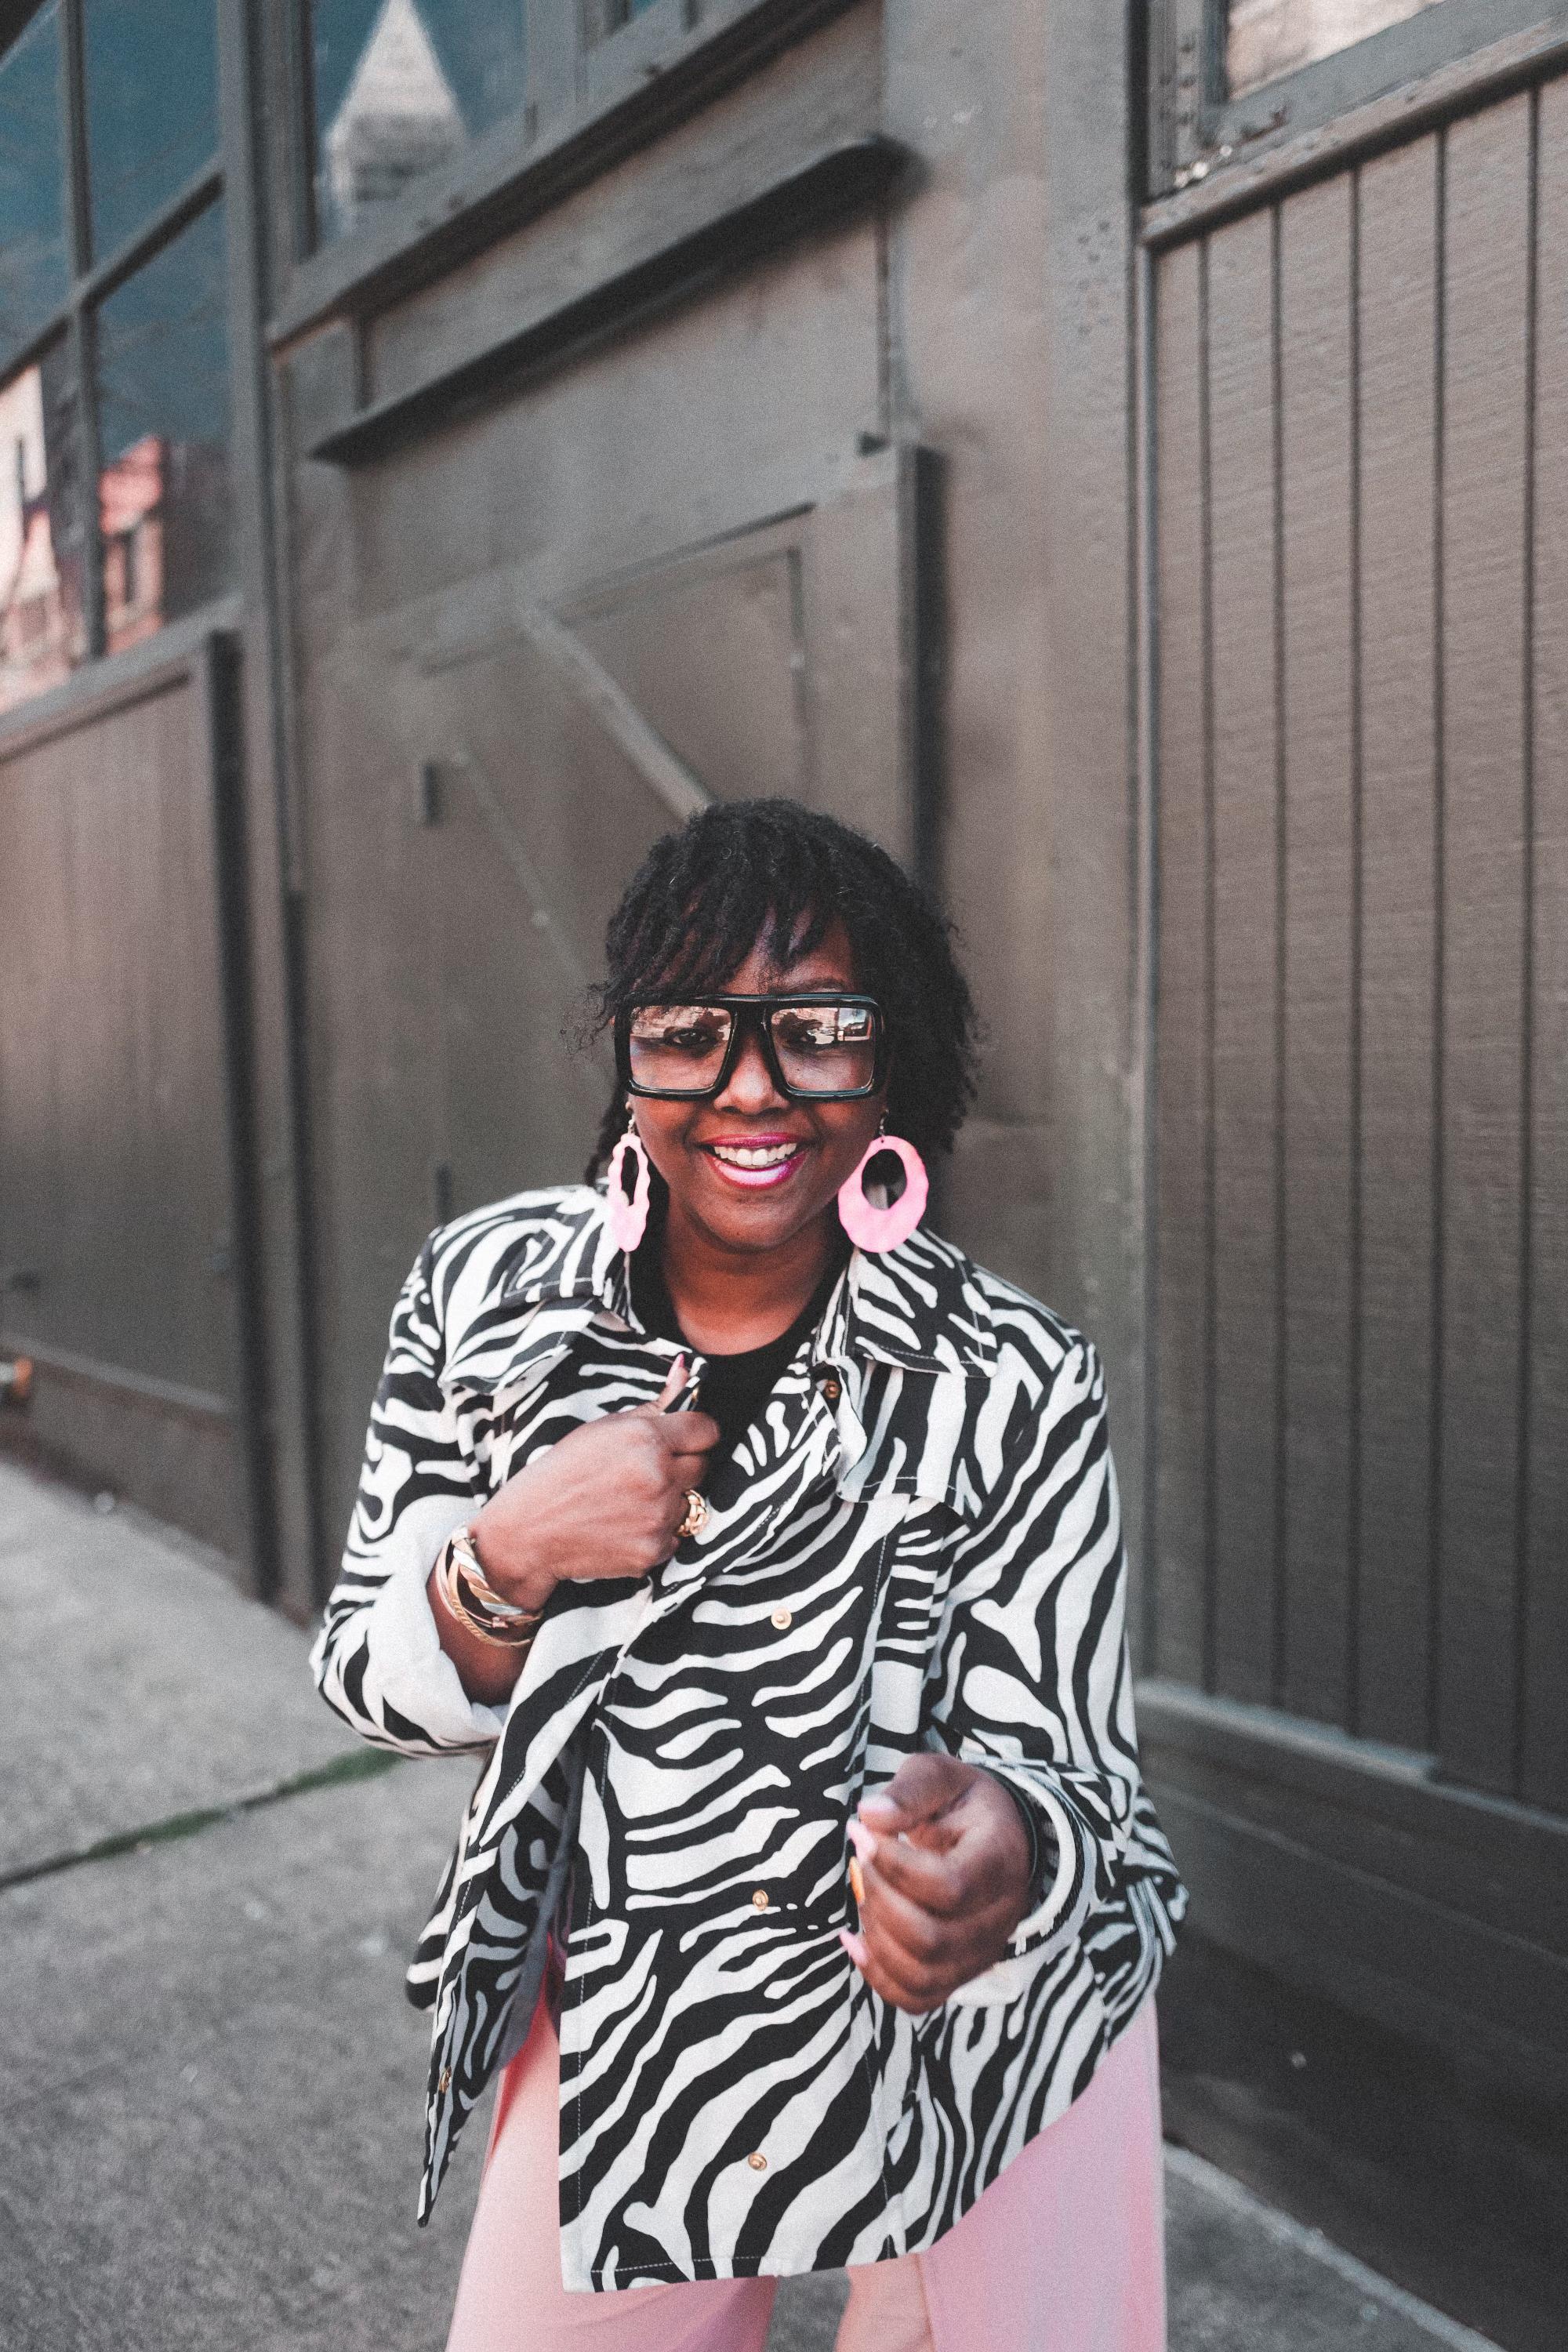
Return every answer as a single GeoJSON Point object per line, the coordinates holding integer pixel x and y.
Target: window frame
{"type": "Point", "coordinates": [73, 321]}
{"type": "Point", "coordinates": [1196, 128]}
{"type": "Point", "coordinates": [587, 104]}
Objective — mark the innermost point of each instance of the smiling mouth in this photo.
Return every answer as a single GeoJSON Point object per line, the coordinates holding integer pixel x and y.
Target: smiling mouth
{"type": "Point", "coordinates": [758, 1163]}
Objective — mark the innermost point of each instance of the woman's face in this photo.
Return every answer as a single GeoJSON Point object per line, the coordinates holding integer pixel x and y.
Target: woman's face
{"type": "Point", "coordinates": [750, 1209]}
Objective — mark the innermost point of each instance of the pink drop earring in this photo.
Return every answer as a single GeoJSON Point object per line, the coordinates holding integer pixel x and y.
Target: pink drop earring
{"type": "Point", "coordinates": [627, 1218]}
{"type": "Point", "coordinates": [868, 1227]}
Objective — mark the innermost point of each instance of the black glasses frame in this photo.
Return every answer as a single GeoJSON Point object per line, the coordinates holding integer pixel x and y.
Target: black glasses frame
{"type": "Point", "coordinates": [753, 1016]}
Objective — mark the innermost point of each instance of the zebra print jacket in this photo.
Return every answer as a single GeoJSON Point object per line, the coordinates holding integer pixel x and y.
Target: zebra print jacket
{"type": "Point", "coordinates": [917, 1545]}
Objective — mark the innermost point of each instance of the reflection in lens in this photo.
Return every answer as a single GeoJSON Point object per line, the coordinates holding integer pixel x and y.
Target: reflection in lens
{"type": "Point", "coordinates": [826, 1048]}
{"type": "Point", "coordinates": [677, 1045]}
{"type": "Point", "coordinates": [823, 1049]}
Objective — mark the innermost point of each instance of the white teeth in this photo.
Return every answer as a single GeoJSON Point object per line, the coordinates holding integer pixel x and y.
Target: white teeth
{"type": "Point", "coordinates": [763, 1155]}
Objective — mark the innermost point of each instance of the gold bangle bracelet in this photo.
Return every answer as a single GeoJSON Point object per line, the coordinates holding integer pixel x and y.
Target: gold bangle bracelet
{"type": "Point", "coordinates": [465, 1607]}
{"type": "Point", "coordinates": [465, 1552]}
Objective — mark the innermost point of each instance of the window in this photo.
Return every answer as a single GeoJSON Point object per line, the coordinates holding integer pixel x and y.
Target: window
{"type": "Point", "coordinates": [602, 18]}
{"type": "Point", "coordinates": [399, 89]}
{"type": "Point", "coordinates": [152, 107]}
{"type": "Point", "coordinates": [42, 633]}
{"type": "Point", "coordinates": [1268, 38]}
{"type": "Point", "coordinates": [34, 271]}
{"type": "Point", "coordinates": [1227, 75]}
{"type": "Point", "coordinates": [114, 404]}
{"type": "Point", "coordinates": [162, 375]}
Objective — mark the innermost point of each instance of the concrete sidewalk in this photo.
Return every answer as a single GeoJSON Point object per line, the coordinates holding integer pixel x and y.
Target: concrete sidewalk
{"type": "Point", "coordinates": [212, 2079]}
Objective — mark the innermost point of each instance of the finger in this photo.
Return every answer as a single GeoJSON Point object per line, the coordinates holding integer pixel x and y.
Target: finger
{"type": "Point", "coordinates": [884, 1986]}
{"type": "Point", "coordinates": [927, 1938]}
{"type": "Point", "coordinates": [937, 1882]}
{"type": "Point", "coordinates": [658, 1410]}
{"type": "Point", "coordinates": [922, 1788]}
{"type": "Point", "coordinates": [913, 1991]}
{"type": "Point", "coordinates": [973, 1863]}
{"type": "Point", "coordinates": [927, 1957]}
{"type": "Point", "coordinates": [869, 1848]}
{"type": "Point", "coordinates": [685, 1432]}
{"type": "Point", "coordinates": [941, 1959]}
{"type": "Point", "coordinates": [694, 1432]}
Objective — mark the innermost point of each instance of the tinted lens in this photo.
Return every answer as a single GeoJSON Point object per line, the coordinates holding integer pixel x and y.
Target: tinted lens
{"type": "Point", "coordinates": [677, 1048]}
{"type": "Point", "coordinates": [826, 1049]}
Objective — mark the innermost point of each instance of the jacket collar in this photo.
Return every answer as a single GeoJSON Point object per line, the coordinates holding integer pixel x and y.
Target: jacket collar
{"type": "Point", "coordinates": [914, 1306]}
{"type": "Point", "coordinates": [572, 1259]}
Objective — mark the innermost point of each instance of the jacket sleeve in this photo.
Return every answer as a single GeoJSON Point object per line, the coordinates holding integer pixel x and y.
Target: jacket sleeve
{"type": "Point", "coordinates": [1030, 1668]}
{"type": "Point", "coordinates": [378, 1661]}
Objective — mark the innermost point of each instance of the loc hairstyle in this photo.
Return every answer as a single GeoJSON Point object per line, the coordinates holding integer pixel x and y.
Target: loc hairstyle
{"type": "Point", "coordinates": [741, 872]}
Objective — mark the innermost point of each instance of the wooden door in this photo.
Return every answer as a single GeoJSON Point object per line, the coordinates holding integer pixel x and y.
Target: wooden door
{"type": "Point", "coordinates": [1361, 1108]}
{"type": "Point", "coordinates": [125, 1233]}
{"type": "Point", "coordinates": [509, 759]}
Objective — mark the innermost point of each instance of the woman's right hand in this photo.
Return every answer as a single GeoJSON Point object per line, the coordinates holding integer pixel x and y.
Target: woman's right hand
{"type": "Point", "coordinates": [605, 1501]}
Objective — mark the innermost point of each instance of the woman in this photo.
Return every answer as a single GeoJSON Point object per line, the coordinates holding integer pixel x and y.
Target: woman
{"type": "Point", "coordinates": [809, 1905]}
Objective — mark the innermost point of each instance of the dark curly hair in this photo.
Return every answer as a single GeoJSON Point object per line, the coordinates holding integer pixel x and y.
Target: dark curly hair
{"type": "Point", "coordinates": [744, 870]}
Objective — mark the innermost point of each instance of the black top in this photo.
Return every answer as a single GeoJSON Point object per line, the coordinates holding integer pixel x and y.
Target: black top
{"type": "Point", "coordinates": [734, 1389]}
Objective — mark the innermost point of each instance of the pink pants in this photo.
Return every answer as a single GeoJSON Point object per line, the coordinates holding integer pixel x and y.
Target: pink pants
{"type": "Point", "coordinates": [1064, 2253]}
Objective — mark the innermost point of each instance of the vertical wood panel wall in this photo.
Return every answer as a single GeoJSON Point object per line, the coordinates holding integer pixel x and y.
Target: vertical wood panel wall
{"type": "Point", "coordinates": [1360, 1510]}
{"type": "Point", "coordinates": [118, 1242]}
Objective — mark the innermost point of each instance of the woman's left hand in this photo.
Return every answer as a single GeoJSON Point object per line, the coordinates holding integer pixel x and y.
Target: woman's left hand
{"type": "Point", "coordinates": [944, 1861]}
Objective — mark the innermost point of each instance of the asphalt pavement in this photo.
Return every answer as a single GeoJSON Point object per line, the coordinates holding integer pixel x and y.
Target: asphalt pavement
{"type": "Point", "coordinates": [212, 2081]}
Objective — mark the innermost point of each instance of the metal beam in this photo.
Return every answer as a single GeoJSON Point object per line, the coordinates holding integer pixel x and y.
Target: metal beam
{"type": "Point", "coordinates": [842, 180]}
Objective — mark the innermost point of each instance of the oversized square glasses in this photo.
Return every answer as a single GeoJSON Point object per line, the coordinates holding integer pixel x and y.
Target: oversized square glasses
{"type": "Point", "coordinates": [821, 1046]}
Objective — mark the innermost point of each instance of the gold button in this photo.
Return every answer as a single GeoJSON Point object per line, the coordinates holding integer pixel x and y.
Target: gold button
{"type": "Point", "coordinates": [446, 2083]}
{"type": "Point", "coordinates": [830, 1390]}
{"type": "Point", "coordinates": [783, 1619]}
{"type": "Point", "coordinates": [759, 1899]}
{"type": "Point", "coordinates": [758, 2162]}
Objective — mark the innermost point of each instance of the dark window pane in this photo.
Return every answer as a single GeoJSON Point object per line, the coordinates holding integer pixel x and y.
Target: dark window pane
{"type": "Point", "coordinates": [33, 269]}
{"type": "Point", "coordinates": [152, 107]}
{"type": "Point", "coordinates": [41, 632]}
{"type": "Point", "coordinates": [162, 396]}
{"type": "Point", "coordinates": [602, 18]}
{"type": "Point", "coordinates": [1270, 37]}
{"type": "Point", "coordinates": [401, 87]}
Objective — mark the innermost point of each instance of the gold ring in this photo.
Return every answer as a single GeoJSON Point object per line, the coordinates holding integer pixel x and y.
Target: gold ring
{"type": "Point", "coordinates": [696, 1518]}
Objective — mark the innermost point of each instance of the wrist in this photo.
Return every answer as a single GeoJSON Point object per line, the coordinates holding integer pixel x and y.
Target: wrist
{"type": "Point", "coordinates": [509, 1565]}
{"type": "Point", "coordinates": [467, 1599]}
